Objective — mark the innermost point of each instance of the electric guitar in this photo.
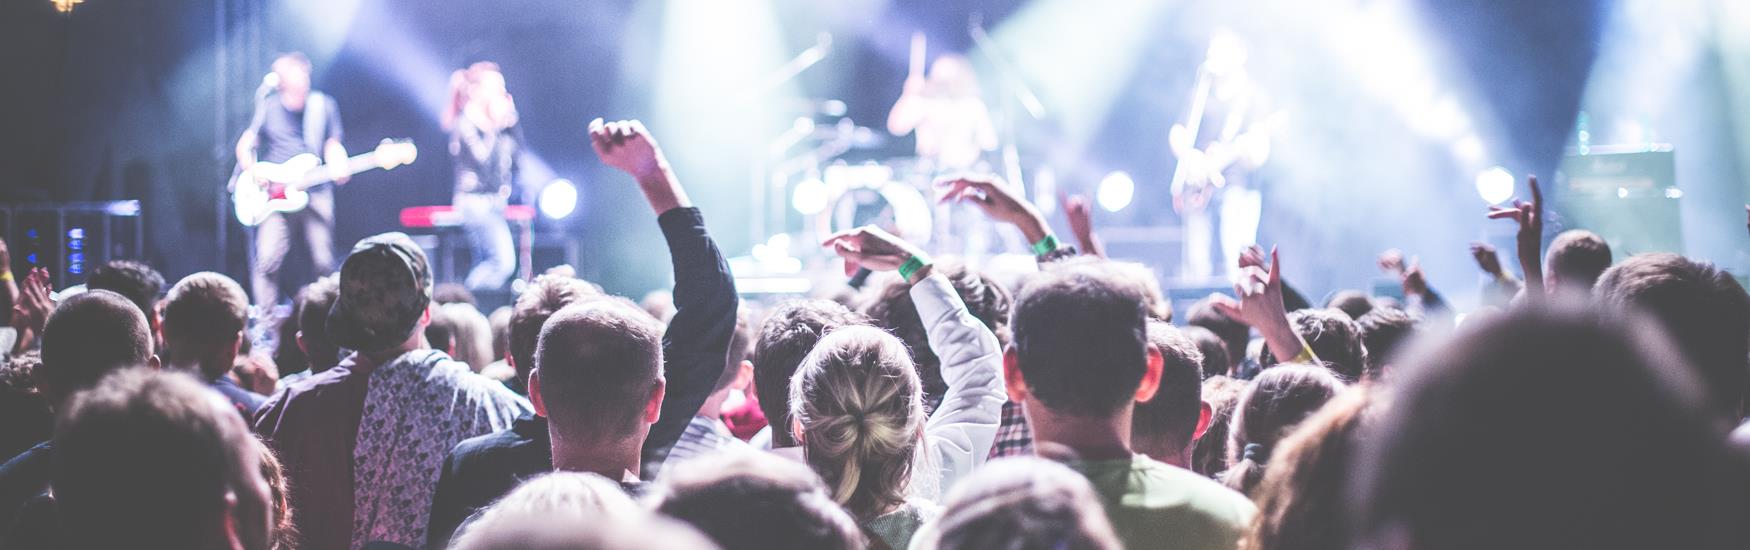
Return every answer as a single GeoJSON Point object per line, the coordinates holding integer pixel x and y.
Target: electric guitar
{"type": "Point", "coordinates": [269, 187]}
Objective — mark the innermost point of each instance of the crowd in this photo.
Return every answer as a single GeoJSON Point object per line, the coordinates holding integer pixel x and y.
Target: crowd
{"type": "Point", "coordinates": [1590, 404]}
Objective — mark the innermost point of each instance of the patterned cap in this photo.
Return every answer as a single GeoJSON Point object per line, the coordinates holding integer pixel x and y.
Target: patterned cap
{"type": "Point", "coordinates": [385, 286]}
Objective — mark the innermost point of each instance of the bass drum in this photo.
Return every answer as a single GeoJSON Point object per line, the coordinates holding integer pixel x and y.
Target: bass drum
{"type": "Point", "coordinates": [894, 206]}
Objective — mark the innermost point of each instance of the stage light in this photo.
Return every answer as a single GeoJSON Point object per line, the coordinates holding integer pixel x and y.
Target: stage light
{"type": "Point", "coordinates": [1495, 185]}
{"type": "Point", "coordinates": [65, 6]}
{"type": "Point", "coordinates": [1115, 191]}
{"type": "Point", "coordinates": [558, 199]}
{"type": "Point", "coordinates": [809, 197]}
{"type": "Point", "coordinates": [1469, 149]}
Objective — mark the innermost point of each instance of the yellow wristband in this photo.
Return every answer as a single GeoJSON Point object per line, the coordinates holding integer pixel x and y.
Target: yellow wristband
{"type": "Point", "coordinates": [6, 276]}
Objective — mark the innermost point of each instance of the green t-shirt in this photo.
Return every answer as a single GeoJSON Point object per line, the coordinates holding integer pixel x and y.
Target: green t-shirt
{"type": "Point", "coordinates": [896, 528]}
{"type": "Point", "coordinates": [1157, 506]}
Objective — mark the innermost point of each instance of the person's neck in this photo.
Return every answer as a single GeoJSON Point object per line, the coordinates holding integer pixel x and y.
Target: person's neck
{"type": "Point", "coordinates": [209, 368]}
{"type": "Point", "coordinates": [617, 459]}
{"type": "Point", "coordinates": [1165, 451]}
{"type": "Point", "coordinates": [294, 102]}
{"type": "Point", "coordinates": [1091, 437]}
{"type": "Point", "coordinates": [415, 342]}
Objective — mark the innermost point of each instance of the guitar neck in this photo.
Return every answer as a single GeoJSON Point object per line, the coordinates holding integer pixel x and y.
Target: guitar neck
{"type": "Point", "coordinates": [355, 164]}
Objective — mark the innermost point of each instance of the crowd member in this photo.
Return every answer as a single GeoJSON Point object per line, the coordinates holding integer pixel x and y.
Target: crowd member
{"type": "Point", "coordinates": [29, 420]}
{"type": "Point", "coordinates": [87, 337]}
{"type": "Point", "coordinates": [789, 333]}
{"type": "Point", "coordinates": [858, 393]}
{"type": "Point", "coordinates": [155, 460]}
{"type": "Point", "coordinates": [204, 320]}
{"type": "Point", "coordinates": [1575, 260]}
{"type": "Point", "coordinates": [750, 501]}
{"type": "Point", "coordinates": [1301, 498]}
{"type": "Point", "coordinates": [1332, 337]}
{"type": "Point", "coordinates": [1353, 303]}
{"type": "Point", "coordinates": [1234, 335]}
{"type": "Point", "coordinates": [30, 308]}
{"type": "Point", "coordinates": [1702, 307]}
{"type": "Point", "coordinates": [1166, 427]}
{"type": "Point", "coordinates": [1384, 331]}
{"type": "Point", "coordinates": [572, 511]}
{"type": "Point", "coordinates": [500, 368]}
{"type": "Point", "coordinates": [1446, 466]}
{"type": "Point", "coordinates": [1021, 504]}
{"type": "Point", "coordinates": [482, 468]}
{"type": "Point", "coordinates": [141, 284]}
{"type": "Point", "coordinates": [706, 432]}
{"type": "Point", "coordinates": [471, 334]}
{"type": "Point", "coordinates": [1209, 458]}
{"type": "Point", "coordinates": [602, 372]}
{"type": "Point", "coordinates": [1214, 351]}
{"type": "Point", "coordinates": [1272, 405]}
{"type": "Point", "coordinates": [310, 329]}
{"type": "Point", "coordinates": [894, 310]}
{"type": "Point", "coordinates": [362, 441]}
{"type": "Point", "coordinates": [1079, 361]}
{"type": "Point", "coordinates": [283, 526]}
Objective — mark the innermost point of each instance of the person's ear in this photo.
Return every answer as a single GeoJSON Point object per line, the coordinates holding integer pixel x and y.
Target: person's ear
{"type": "Point", "coordinates": [1151, 376]}
{"type": "Point", "coordinates": [796, 432]}
{"type": "Point", "coordinates": [653, 406]}
{"type": "Point", "coordinates": [153, 362]}
{"type": "Point", "coordinates": [1012, 380]}
{"type": "Point", "coordinates": [237, 343]}
{"type": "Point", "coordinates": [743, 376]}
{"type": "Point", "coordinates": [1204, 414]}
{"type": "Point", "coordinates": [535, 393]}
{"type": "Point", "coordinates": [231, 535]}
{"type": "Point", "coordinates": [302, 346]}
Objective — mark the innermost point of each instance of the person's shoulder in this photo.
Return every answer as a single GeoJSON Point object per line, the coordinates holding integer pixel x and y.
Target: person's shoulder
{"type": "Point", "coordinates": [298, 394]}
{"type": "Point", "coordinates": [474, 448]}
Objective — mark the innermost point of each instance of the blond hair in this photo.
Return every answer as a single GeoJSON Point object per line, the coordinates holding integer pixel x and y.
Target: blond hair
{"type": "Point", "coordinates": [858, 401]}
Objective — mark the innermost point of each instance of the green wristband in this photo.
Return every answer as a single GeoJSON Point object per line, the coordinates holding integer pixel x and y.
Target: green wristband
{"type": "Point", "coordinates": [1045, 245]}
{"type": "Point", "coordinates": [912, 266]}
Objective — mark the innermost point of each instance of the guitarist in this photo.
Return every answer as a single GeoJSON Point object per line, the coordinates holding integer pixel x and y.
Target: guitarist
{"type": "Point", "coordinates": [1219, 150]}
{"type": "Point", "coordinates": [298, 120]}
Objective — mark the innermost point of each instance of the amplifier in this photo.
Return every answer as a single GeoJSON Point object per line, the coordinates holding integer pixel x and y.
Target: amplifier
{"type": "Point", "coordinates": [70, 239]}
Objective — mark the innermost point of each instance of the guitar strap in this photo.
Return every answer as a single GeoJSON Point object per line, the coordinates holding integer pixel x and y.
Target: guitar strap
{"type": "Point", "coordinates": [315, 122]}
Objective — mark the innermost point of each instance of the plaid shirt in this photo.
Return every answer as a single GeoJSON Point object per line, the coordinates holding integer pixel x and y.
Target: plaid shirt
{"type": "Point", "coordinates": [1014, 438]}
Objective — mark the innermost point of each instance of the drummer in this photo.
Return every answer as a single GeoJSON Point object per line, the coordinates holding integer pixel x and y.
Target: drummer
{"type": "Point", "coordinates": [946, 110]}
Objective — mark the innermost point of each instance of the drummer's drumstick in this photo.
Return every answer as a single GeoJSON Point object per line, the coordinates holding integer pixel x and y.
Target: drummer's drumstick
{"type": "Point", "coordinates": [917, 54]}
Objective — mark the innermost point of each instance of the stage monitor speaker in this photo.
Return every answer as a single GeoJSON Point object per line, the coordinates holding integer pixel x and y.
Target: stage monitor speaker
{"type": "Point", "coordinates": [70, 239]}
{"type": "Point", "coordinates": [1629, 198]}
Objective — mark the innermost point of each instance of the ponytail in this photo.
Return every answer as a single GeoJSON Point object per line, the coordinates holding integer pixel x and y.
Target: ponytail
{"type": "Point", "coordinates": [858, 401]}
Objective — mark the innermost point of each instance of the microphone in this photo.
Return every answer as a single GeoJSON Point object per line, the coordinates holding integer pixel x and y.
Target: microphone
{"type": "Point", "coordinates": [268, 83]}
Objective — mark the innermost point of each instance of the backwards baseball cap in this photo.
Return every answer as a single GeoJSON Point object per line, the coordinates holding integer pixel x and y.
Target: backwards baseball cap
{"type": "Point", "coordinates": [385, 286]}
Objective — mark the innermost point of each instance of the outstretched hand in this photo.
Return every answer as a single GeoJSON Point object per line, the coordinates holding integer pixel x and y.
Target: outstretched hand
{"type": "Point", "coordinates": [1260, 303]}
{"type": "Point", "coordinates": [992, 195]}
{"type": "Point", "coordinates": [1487, 259]}
{"type": "Point", "coordinates": [1081, 223]}
{"type": "Point", "coordinates": [628, 146]}
{"type": "Point", "coordinates": [1529, 216]}
{"type": "Point", "coordinates": [31, 310]}
{"type": "Point", "coordinates": [871, 247]}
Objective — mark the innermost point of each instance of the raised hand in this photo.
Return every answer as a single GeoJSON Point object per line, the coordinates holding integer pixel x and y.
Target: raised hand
{"type": "Point", "coordinates": [1529, 216]}
{"type": "Point", "coordinates": [31, 311]}
{"type": "Point", "coordinates": [991, 194]}
{"type": "Point", "coordinates": [1081, 223]}
{"type": "Point", "coordinates": [626, 145]}
{"type": "Point", "coordinates": [1260, 306]}
{"type": "Point", "coordinates": [871, 247]}
{"type": "Point", "coordinates": [1487, 259]}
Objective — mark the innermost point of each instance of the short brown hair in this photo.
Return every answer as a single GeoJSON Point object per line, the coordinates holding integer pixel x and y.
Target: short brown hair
{"type": "Point", "coordinates": [748, 499]}
{"type": "Point", "coordinates": [1081, 338]}
{"type": "Point", "coordinates": [312, 307]}
{"type": "Point", "coordinates": [1171, 416]}
{"type": "Point", "coordinates": [1333, 337]}
{"type": "Point", "coordinates": [203, 310]}
{"type": "Point", "coordinates": [548, 294]}
{"type": "Point", "coordinates": [1701, 307]}
{"type": "Point", "coordinates": [88, 336]}
{"type": "Point", "coordinates": [1576, 258]}
{"type": "Point", "coordinates": [598, 361]}
{"type": "Point", "coordinates": [147, 459]}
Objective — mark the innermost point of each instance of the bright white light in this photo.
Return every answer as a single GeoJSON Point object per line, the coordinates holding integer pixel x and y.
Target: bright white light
{"type": "Point", "coordinates": [1622, 192]}
{"type": "Point", "coordinates": [1469, 149]}
{"type": "Point", "coordinates": [809, 197]}
{"type": "Point", "coordinates": [1495, 185]}
{"type": "Point", "coordinates": [1115, 191]}
{"type": "Point", "coordinates": [1673, 193]}
{"type": "Point", "coordinates": [558, 199]}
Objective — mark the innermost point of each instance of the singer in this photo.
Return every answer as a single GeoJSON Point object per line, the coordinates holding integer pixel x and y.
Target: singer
{"type": "Point", "coordinates": [297, 121]}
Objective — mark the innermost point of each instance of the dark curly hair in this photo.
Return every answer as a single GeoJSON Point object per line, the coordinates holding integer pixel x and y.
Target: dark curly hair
{"type": "Point", "coordinates": [893, 310]}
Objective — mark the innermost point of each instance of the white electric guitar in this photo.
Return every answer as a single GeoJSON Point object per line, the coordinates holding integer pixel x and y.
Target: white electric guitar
{"type": "Point", "coordinates": [269, 187]}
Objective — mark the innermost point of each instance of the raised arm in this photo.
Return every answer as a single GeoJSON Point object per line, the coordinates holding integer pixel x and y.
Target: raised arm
{"type": "Point", "coordinates": [1529, 216]}
{"type": "Point", "coordinates": [697, 341]}
{"type": "Point", "coordinates": [1260, 306]}
{"type": "Point", "coordinates": [964, 426]}
{"type": "Point", "coordinates": [992, 195]}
